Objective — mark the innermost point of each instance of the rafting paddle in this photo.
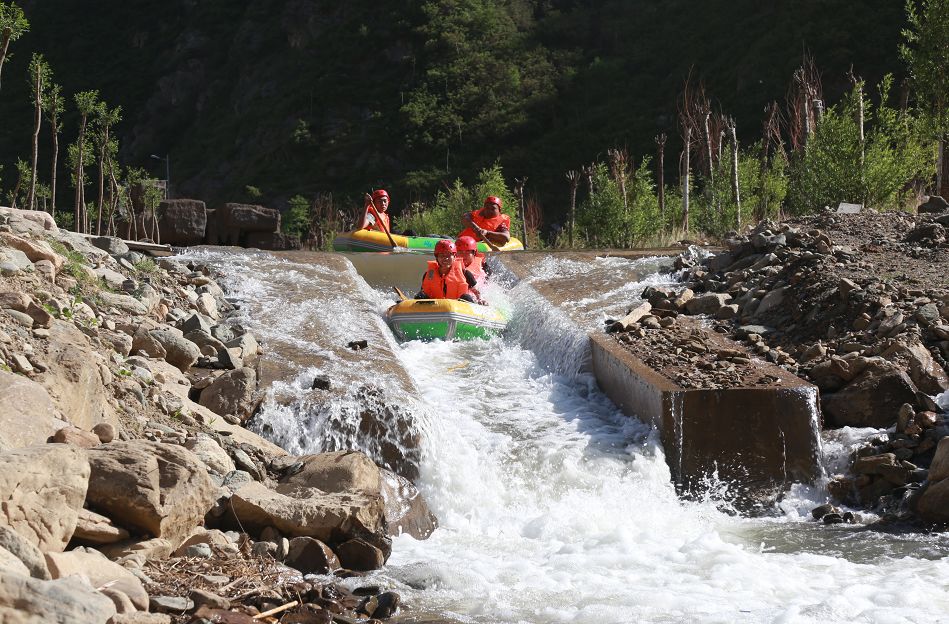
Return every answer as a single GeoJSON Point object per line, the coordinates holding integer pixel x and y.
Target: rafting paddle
{"type": "Point", "coordinates": [484, 238]}
{"type": "Point", "coordinates": [372, 206]}
{"type": "Point", "coordinates": [399, 292]}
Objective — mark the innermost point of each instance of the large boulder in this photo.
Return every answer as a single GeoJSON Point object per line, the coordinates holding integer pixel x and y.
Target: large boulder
{"type": "Point", "coordinates": [933, 504]}
{"type": "Point", "coordinates": [273, 241]}
{"type": "Point", "coordinates": [28, 417]}
{"type": "Point", "coordinates": [934, 204]}
{"type": "Point", "coordinates": [405, 509]}
{"type": "Point", "coordinates": [872, 399]}
{"type": "Point", "coordinates": [231, 393]}
{"type": "Point", "coordinates": [73, 380]}
{"type": "Point", "coordinates": [35, 250]}
{"type": "Point", "coordinates": [29, 555]}
{"type": "Point", "coordinates": [100, 571]}
{"type": "Point", "coordinates": [42, 489]}
{"type": "Point", "coordinates": [337, 471]}
{"type": "Point", "coordinates": [922, 368]}
{"type": "Point", "coordinates": [307, 512]}
{"type": "Point", "coordinates": [236, 221]}
{"type": "Point", "coordinates": [159, 489]}
{"type": "Point", "coordinates": [35, 221]}
{"type": "Point", "coordinates": [25, 600]}
{"type": "Point", "coordinates": [181, 221]}
{"type": "Point", "coordinates": [179, 351]}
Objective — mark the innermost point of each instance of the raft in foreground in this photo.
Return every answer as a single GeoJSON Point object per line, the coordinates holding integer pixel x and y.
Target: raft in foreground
{"type": "Point", "coordinates": [372, 240]}
{"type": "Point", "coordinates": [445, 319]}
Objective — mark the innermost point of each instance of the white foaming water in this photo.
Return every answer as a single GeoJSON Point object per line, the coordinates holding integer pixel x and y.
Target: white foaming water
{"type": "Point", "coordinates": [554, 507]}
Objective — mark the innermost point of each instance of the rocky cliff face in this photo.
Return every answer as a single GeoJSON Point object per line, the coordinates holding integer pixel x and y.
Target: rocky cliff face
{"type": "Point", "coordinates": [125, 386]}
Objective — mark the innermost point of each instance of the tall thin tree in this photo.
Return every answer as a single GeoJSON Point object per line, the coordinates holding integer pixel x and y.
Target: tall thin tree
{"type": "Point", "coordinates": [39, 74]}
{"type": "Point", "coordinates": [104, 120]}
{"type": "Point", "coordinates": [573, 177]}
{"type": "Point", "coordinates": [86, 103]}
{"type": "Point", "coordinates": [736, 192]}
{"type": "Point", "coordinates": [660, 170]}
{"type": "Point", "coordinates": [55, 105]}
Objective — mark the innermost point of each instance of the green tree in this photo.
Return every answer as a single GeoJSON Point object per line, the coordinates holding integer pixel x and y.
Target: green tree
{"type": "Point", "coordinates": [296, 221]}
{"type": "Point", "coordinates": [86, 103]}
{"type": "Point", "coordinates": [39, 77]}
{"type": "Point", "coordinates": [13, 25]}
{"type": "Point", "coordinates": [55, 104]}
{"type": "Point", "coordinates": [482, 74]}
{"type": "Point", "coordinates": [106, 147]}
{"type": "Point", "coordinates": [926, 53]}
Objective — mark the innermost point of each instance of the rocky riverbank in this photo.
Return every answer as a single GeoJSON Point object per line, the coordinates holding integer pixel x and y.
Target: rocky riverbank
{"type": "Point", "coordinates": [130, 490]}
{"type": "Point", "coordinates": [856, 304]}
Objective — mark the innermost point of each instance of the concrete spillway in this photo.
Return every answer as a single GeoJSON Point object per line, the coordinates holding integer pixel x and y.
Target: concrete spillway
{"type": "Point", "coordinates": [756, 439]}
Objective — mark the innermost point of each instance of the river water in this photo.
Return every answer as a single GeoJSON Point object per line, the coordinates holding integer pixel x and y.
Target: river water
{"type": "Point", "coordinates": [554, 506]}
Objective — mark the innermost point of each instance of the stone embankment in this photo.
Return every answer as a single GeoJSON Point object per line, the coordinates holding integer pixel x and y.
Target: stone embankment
{"type": "Point", "coordinates": [130, 491]}
{"type": "Point", "coordinates": [858, 306]}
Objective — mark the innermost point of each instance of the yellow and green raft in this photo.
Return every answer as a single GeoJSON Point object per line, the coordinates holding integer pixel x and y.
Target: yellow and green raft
{"type": "Point", "coordinates": [372, 240]}
{"type": "Point", "coordinates": [444, 319]}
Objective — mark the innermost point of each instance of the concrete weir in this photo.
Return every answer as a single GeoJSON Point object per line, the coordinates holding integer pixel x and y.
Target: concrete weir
{"type": "Point", "coordinates": [757, 439]}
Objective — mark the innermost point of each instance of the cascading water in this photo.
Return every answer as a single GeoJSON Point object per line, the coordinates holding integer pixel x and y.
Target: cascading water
{"type": "Point", "coordinates": [554, 507]}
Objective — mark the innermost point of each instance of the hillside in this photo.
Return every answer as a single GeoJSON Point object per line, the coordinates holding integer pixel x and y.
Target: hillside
{"type": "Point", "coordinates": [308, 96]}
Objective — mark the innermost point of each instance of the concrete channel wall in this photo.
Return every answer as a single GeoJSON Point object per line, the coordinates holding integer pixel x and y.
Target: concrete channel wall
{"type": "Point", "coordinates": [757, 440]}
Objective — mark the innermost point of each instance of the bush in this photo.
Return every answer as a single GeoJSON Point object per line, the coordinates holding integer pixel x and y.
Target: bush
{"type": "Point", "coordinates": [604, 220]}
{"type": "Point", "coordinates": [443, 217]}
{"type": "Point", "coordinates": [828, 169]}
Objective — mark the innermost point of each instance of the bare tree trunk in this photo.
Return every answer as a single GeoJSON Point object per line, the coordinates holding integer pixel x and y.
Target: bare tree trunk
{"type": "Point", "coordinates": [573, 177]}
{"type": "Point", "coordinates": [732, 134]}
{"type": "Point", "coordinates": [4, 44]}
{"type": "Point", "coordinates": [661, 143]}
{"type": "Point", "coordinates": [37, 121]}
{"type": "Point", "coordinates": [941, 168]}
{"type": "Point", "coordinates": [16, 191]}
{"type": "Point", "coordinates": [519, 191]}
{"type": "Point", "coordinates": [710, 186]}
{"type": "Point", "coordinates": [763, 170]}
{"type": "Point", "coordinates": [80, 201]}
{"type": "Point", "coordinates": [55, 129]}
{"type": "Point", "coordinates": [685, 180]}
{"type": "Point", "coordinates": [619, 164]}
{"type": "Point", "coordinates": [100, 205]}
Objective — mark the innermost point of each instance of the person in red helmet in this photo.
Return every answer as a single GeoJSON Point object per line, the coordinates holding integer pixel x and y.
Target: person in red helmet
{"type": "Point", "coordinates": [488, 222]}
{"type": "Point", "coordinates": [470, 259]}
{"type": "Point", "coordinates": [375, 214]}
{"type": "Point", "coordinates": [446, 279]}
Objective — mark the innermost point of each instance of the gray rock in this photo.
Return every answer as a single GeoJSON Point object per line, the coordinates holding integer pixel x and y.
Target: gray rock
{"type": "Point", "coordinates": [708, 303]}
{"type": "Point", "coordinates": [114, 246]}
{"type": "Point", "coordinates": [195, 322]}
{"type": "Point", "coordinates": [933, 205]}
{"type": "Point", "coordinates": [310, 556]}
{"type": "Point", "coordinates": [8, 269]}
{"type": "Point", "coordinates": [199, 551]}
{"type": "Point", "coordinates": [25, 551]}
{"type": "Point", "coordinates": [180, 352]}
{"type": "Point", "coordinates": [243, 461]}
{"type": "Point", "coordinates": [65, 601]}
{"type": "Point", "coordinates": [170, 604]}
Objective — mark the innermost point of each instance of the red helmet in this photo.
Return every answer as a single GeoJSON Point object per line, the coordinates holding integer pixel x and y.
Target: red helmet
{"type": "Point", "coordinates": [444, 246]}
{"type": "Point", "coordinates": [466, 243]}
{"type": "Point", "coordinates": [380, 194]}
{"type": "Point", "coordinates": [491, 199]}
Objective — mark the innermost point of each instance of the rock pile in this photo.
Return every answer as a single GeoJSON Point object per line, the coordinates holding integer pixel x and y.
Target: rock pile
{"type": "Point", "coordinates": [129, 491]}
{"type": "Point", "coordinates": [858, 305]}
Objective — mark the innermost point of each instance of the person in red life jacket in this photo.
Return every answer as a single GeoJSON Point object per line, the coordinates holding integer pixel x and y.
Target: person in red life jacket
{"type": "Point", "coordinates": [470, 258]}
{"type": "Point", "coordinates": [489, 222]}
{"type": "Point", "coordinates": [380, 201]}
{"type": "Point", "coordinates": [447, 279]}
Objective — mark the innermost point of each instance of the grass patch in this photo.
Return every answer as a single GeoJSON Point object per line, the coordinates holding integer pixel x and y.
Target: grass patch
{"type": "Point", "coordinates": [146, 266]}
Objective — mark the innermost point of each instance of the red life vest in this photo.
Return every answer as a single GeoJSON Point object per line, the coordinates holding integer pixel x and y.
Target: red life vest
{"type": "Point", "coordinates": [450, 286]}
{"type": "Point", "coordinates": [383, 216]}
{"type": "Point", "coordinates": [477, 268]}
{"type": "Point", "coordinates": [490, 225]}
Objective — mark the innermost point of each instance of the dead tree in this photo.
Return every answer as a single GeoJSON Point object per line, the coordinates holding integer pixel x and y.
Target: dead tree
{"type": "Point", "coordinates": [857, 83]}
{"type": "Point", "coordinates": [519, 192]}
{"type": "Point", "coordinates": [736, 192]}
{"type": "Point", "coordinates": [619, 168]}
{"type": "Point", "coordinates": [691, 106]}
{"type": "Point", "coordinates": [770, 133]}
{"type": "Point", "coordinates": [661, 145]}
{"type": "Point", "coordinates": [804, 93]}
{"type": "Point", "coordinates": [573, 177]}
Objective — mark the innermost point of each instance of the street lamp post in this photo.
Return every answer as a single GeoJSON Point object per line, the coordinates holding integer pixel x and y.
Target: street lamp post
{"type": "Point", "coordinates": [167, 174]}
